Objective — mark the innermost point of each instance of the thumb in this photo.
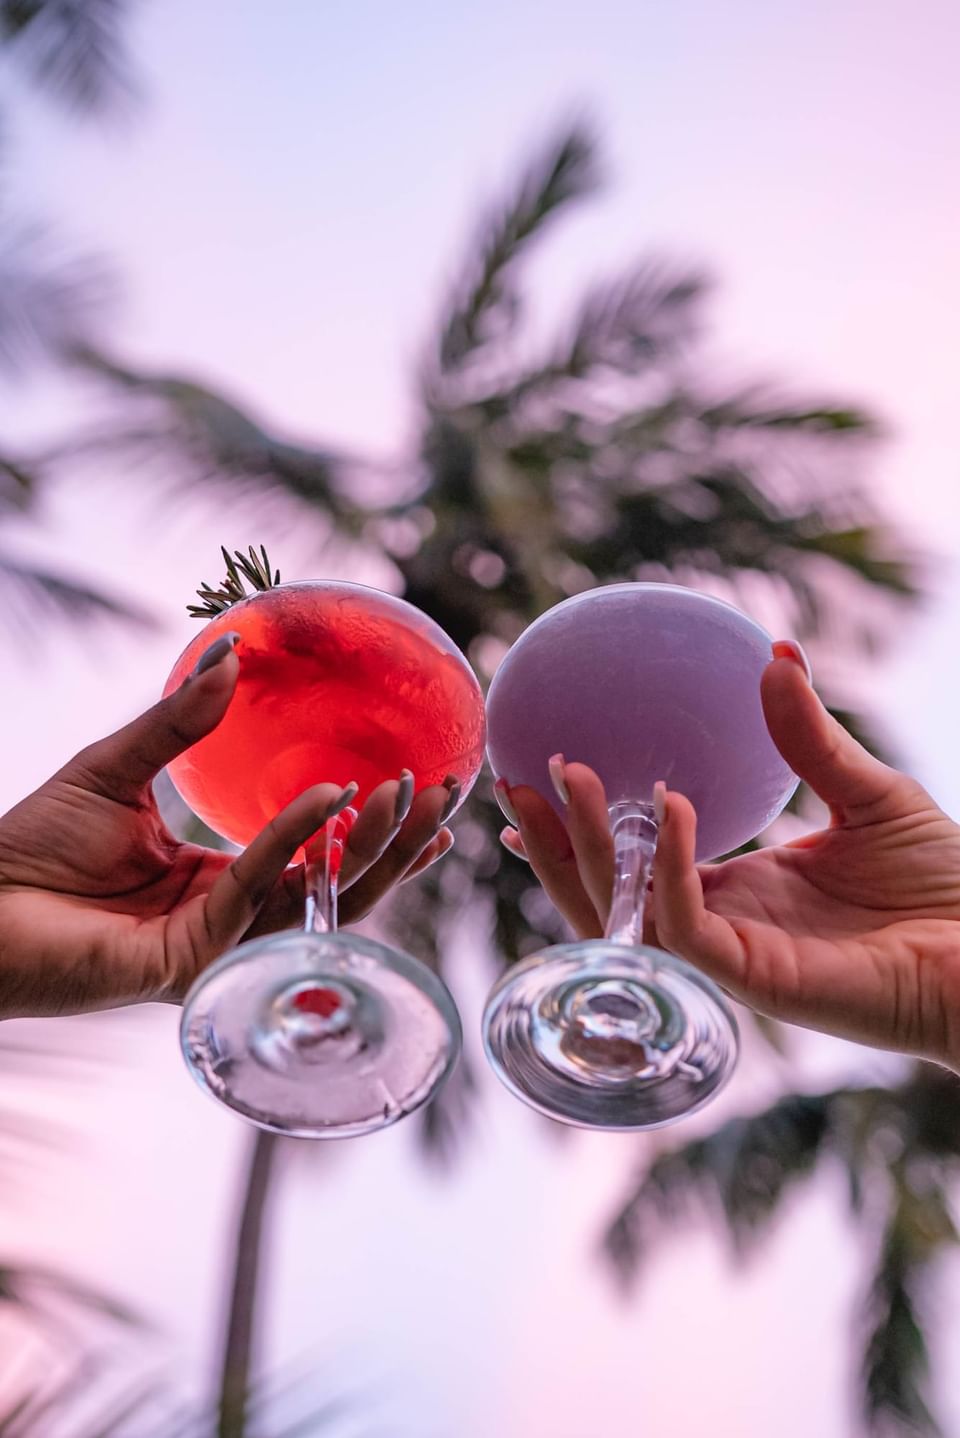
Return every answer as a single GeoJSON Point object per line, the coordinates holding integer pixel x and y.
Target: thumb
{"type": "Point", "coordinates": [123, 765]}
{"type": "Point", "coordinates": [818, 749]}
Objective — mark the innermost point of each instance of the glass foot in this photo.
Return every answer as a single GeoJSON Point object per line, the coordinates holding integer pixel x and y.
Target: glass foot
{"type": "Point", "coordinates": [605, 1036]}
{"type": "Point", "coordinates": [320, 1036]}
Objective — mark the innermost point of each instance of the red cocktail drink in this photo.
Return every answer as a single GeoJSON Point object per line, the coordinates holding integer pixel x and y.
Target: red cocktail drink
{"type": "Point", "coordinates": [322, 1033]}
{"type": "Point", "coordinates": [338, 683]}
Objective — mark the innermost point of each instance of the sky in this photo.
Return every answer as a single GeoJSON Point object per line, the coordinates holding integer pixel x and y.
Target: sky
{"type": "Point", "coordinates": [286, 205]}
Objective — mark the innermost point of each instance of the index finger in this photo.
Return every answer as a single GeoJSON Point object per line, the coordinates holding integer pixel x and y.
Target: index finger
{"type": "Point", "coordinates": [548, 847]}
{"type": "Point", "coordinates": [588, 824]}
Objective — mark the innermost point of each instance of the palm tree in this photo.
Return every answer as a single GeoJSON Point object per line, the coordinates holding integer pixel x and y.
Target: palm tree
{"type": "Point", "coordinates": [605, 455]}
{"type": "Point", "coordinates": [900, 1148]}
{"type": "Point", "coordinates": [72, 51]}
{"type": "Point", "coordinates": [51, 299]}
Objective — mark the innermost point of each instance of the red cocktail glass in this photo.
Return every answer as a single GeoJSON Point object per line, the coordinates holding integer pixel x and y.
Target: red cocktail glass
{"type": "Point", "coordinates": [319, 1033]}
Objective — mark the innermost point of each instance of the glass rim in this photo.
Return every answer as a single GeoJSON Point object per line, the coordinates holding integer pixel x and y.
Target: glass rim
{"type": "Point", "coordinates": [352, 584]}
{"type": "Point", "coordinates": [632, 585]}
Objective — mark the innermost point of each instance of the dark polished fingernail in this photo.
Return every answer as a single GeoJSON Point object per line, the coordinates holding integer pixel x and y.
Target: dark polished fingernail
{"type": "Point", "coordinates": [342, 800]}
{"type": "Point", "coordinates": [517, 854]}
{"type": "Point", "coordinates": [218, 651]}
{"type": "Point", "coordinates": [453, 785]}
{"type": "Point", "coordinates": [501, 792]}
{"type": "Point", "coordinates": [404, 796]}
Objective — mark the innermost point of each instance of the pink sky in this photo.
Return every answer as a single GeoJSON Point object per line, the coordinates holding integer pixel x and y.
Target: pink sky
{"type": "Point", "coordinates": [285, 209]}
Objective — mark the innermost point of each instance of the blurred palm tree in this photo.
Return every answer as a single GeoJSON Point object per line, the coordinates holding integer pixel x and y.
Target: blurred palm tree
{"type": "Point", "coordinates": [94, 1398]}
{"type": "Point", "coordinates": [74, 52]}
{"type": "Point", "coordinates": [52, 305]}
{"type": "Point", "coordinates": [51, 298]}
{"type": "Point", "coordinates": [546, 466]}
{"type": "Point", "coordinates": [900, 1150]}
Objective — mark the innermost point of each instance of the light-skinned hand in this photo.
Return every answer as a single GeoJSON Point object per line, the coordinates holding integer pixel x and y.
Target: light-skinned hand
{"type": "Point", "coordinates": [854, 930]}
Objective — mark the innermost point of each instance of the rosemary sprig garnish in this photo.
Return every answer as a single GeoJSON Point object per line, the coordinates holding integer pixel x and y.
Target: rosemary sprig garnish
{"type": "Point", "coordinates": [252, 567]}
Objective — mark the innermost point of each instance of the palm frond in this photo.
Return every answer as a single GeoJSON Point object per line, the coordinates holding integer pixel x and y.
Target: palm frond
{"type": "Point", "coordinates": [19, 483]}
{"type": "Point", "coordinates": [896, 1365]}
{"type": "Point", "coordinates": [21, 1417]}
{"type": "Point", "coordinates": [48, 1296]}
{"type": "Point", "coordinates": [192, 435]}
{"type": "Point", "coordinates": [319, 1417]}
{"type": "Point", "coordinates": [33, 595]}
{"type": "Point", "coordinates": [73, 50]}
{"type": "Point", "coordinates": [720, 522]}
{"type": "Point", "coordinates": [755, 408]}
{"type": "Point", "coordinates": [741, 1172]}
{"type": "Point", "coordinates": [622, 326]}
{"type": "Point", "coordinates": [50, 298]}
{"type": "Point", "coordinates": [484, 304]}
{"type": "Point", "coordinates": [444, 1124]}
{"type": "Point", "coordinates": [83, 1400]}
{"type": "Point", "coordinates": [860, 551]}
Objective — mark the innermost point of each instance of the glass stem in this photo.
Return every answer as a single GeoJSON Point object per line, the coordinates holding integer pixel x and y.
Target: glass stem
{"type": "Point", "coordinates": [634, 829]}
{"type": "Point", "coordinates": [323, 855]}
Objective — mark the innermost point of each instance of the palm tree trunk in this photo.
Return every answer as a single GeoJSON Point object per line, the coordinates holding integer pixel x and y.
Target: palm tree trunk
{"type": "Point", "coordinates": [241, 1314]}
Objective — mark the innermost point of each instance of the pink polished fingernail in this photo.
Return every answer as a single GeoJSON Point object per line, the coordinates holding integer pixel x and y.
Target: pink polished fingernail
{"type": "Point", "coordinates": [790, 649]}
{"type": "Point", "coordinates": [501, 792]}
{"type": "Point", "coordinates": [557, 770]}
{"type": "Point", "coordinates": [659, 801]}
{"type": "Point", "coordinates": [508, 838]}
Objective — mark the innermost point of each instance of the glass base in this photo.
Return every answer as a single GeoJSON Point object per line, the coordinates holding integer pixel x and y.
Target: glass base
{"type": "Point", "coordinates": [320, 1035]}
{"type": "Point", "coordinates": [604, 1036]}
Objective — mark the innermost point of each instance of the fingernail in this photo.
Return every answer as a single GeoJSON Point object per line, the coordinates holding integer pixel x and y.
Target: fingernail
{"type": "Point", "coordinates": [790, 649]}
{"type": "Point", "coordinates": [505, 841]}
{"type": "Point", "coordinates": [659, 801]}
{"type": "Point", "coordinates": [218, 651]}
{"type": "Point", "coordinates": [454, 798]}
{"type": "Point", "coordinates": [342, 800]}
{"type": "Point", "coordinates": [557, 767]}
{"type": "Point", "coordinates": [501, 792]}
{"type": "Point", "coordinates": [404, 796]}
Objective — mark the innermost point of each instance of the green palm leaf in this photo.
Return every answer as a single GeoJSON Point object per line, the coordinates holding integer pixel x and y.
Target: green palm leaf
{"type": "Point", "coordinates": [621, 328]}
{"type": "Point", "coordinates": [73, 50]}
{"type": "Point", "coordinates": [189, 435]}
{"type": "Point", "coordinates": [19, 482]}
{"type": "Point", "coordinates": [896, 1362]}
{"type": "Point", "coordinates": [49, 297]}
{"type": "Point", "coordinates": [742, 1173]}
{"type": "Point", "coordinates": [485, 304]}
{"type": "Point", "coordinates": [32, 596]}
